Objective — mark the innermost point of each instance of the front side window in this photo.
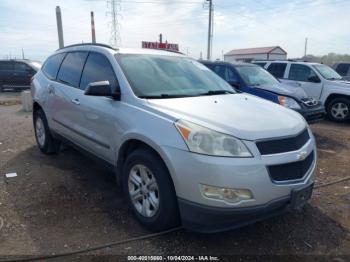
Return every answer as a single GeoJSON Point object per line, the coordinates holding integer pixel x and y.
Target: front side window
{"type": "Point", "coordinates": [52, 65]}
{"type": "Point", "coordinates": [327, 72]}
{"type": "Point", "coordinates": [225, 73]}
{"type": "Point", "coordinates": [22, 67]}
{"type": "Point", "coordinates": [166, 76]}
{"type": "Point", "coordinates": [71, 68]}
{"type": "Point", "coordinates": [300, 72]}
{"type": "Point", "coordinates": [277, 69]}
{"type": "Point", "coordinates": [97, 68]}
{"type": "Point", "coordinates": [256, 76]}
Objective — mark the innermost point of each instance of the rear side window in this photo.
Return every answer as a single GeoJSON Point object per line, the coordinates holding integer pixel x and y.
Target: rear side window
{"type": "Point", "coordinates": [52, 65]}
{"type": "Point", "coordinates": [277, 69]}
{"type": "Point", "coordinates": [343, 69]}
{"type": "Point", "coordinates": [97, 68]}
{"type": "Point", "coordinates": [71, 68]}
{"type": "Point", "coordinates": [301, 73]}
{"type": "Point", "coordinates": [6, 65]}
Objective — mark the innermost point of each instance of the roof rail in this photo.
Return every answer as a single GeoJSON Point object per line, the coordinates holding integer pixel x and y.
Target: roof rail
{"type": "Point", "coordinates": [88, 44]}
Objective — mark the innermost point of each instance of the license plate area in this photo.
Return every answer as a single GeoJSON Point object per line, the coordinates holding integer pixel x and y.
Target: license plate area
{"type": "Point", "coordinates": [300, 196]}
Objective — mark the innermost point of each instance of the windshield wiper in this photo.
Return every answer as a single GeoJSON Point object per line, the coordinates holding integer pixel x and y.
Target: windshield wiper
{"type": "Point", "coordinates": [217, 92]}
{"type": "Point", "coordinates": [333, 78]}
{"type": "Point", "coordinates": [164, 96]}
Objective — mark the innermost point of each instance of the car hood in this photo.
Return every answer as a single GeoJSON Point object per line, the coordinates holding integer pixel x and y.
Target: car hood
{"type": "Point", "coordinates": [285, 90]}
{"type": "Point", "coordinates": [342, 83]}
{"type": "Point", "coordinates": [241, 115]}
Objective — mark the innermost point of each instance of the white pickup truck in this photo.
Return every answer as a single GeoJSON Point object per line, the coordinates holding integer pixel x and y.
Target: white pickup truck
{"type": "Point", "coordinates": [319, 81]}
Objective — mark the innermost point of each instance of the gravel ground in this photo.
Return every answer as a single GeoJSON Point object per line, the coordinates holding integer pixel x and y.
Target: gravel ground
{"type": "Point", "coordinates": [66, 202]}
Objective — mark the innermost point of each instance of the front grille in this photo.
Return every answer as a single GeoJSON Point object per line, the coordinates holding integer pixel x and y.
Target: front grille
{"type": "Point", "coordinates": [291, 171]}
{"type": "Point", "coordinates": [283, 144]}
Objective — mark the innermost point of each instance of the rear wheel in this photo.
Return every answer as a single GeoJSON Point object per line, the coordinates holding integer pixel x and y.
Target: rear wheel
{"type": "Point", "coordinates": [149, 190]}
{"type": "Point", "coordinates": [46, 143]}
{"type": "Point", "coordinates": [338, 109]}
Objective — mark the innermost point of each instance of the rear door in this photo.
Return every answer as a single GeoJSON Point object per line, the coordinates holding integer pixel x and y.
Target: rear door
{"type": "Point", "coordinates": [66, 87]}
{"type": "Point", "coordinates": [6, 74]}
{"type": "Point", "coordinates": [305, 77]}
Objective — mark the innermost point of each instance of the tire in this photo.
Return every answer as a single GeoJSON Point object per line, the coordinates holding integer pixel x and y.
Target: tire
{"type": "Point", "coordinates": [155, 217]}
{"type": "Point", "coordinates": [338, 109]}
{"type": "Point", "coordinates": [46, 143]}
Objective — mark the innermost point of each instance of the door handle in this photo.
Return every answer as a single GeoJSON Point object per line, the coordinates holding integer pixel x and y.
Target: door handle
{"type": "Point", "coordinates": [299, 84]}
{"type": "Point", "coordinates": [76, 101]}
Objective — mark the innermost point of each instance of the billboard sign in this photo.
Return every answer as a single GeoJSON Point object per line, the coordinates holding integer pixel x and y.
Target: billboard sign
{"type": "Point", "coordinates": [157, 45]}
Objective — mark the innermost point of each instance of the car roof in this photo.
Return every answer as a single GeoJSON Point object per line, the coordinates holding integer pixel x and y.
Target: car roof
{"type": "Point", "coordinates": [107, 48]}
{"type": "Point", "coordinates": [286, 61]}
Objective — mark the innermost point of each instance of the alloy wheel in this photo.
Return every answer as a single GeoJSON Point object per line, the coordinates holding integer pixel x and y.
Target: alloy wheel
{"type": "Point", "coordinates": [339, 110]}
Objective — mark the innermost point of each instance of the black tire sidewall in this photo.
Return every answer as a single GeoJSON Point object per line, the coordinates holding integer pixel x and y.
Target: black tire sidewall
{"type": "Point", "coordinates": [334, 101]}
{"type": "Point", "coordinates": [167, 214]}
{"type": "Point", "coordinates": [37, 114]}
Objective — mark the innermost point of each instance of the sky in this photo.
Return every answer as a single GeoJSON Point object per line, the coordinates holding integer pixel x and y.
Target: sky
{"type": "Point", "coordinates": [31, 25]}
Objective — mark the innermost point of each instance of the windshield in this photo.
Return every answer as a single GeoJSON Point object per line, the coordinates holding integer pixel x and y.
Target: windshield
{"type": "Point", "coordinates": [170, 76]}
{"type": "Point", "coordinates": [327, 72]}
{"type": "Point", "coordinates": [256, 76]}
{"type": "Point", "coordinates": [36, 65]}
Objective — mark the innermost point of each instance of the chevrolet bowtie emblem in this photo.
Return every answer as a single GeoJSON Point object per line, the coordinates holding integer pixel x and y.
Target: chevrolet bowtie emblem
{"type": "Point", "coordinates": [302, 155]}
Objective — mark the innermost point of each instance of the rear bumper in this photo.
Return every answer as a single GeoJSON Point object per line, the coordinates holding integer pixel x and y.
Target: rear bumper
{"type": "Point", "coordinates": [207, 219]}
{"type": "Point", "coordinates": [313, 115]}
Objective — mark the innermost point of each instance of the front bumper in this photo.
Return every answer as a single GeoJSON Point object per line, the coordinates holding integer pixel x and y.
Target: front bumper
{"type": "Point", "coordinates": [313, 115]}
{"type": "Point", "coordinates": [206, 219]}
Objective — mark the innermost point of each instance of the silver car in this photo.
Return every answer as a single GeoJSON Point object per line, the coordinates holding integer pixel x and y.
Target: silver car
{"type": "Point", "coordinates": [184, 146]}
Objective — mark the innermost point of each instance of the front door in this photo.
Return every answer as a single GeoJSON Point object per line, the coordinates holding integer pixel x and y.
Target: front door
{"type": "Point", "coordinates": [305, 77]}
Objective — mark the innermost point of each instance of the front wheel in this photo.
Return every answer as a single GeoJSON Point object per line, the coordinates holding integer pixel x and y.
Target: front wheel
{"type": "Point", "coordinates": [46, 143]}
{"type": "Point", "coordinates": [149, 190]}
{"type": "Point", "coordinates": [338, 109]}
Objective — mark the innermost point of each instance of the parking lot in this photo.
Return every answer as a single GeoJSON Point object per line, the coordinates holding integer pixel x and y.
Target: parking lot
{"type": "Point", "coordinates": [67, 202]}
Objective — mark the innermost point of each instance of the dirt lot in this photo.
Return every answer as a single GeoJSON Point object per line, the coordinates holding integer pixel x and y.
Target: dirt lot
{"type": "Point", "coordinates": [67, 202]}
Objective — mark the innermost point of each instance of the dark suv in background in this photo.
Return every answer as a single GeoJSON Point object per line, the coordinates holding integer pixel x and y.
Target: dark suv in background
{"type": "Point", "coordinates": [16, 74]}
{"type": "Point", "coordinates": [343, 69]}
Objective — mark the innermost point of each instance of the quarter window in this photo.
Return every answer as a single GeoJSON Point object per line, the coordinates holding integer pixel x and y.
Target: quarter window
{"type": "Point", "coordinates": [97, 68]}
{"type": "Point", "coordinates": [300, 72]}
{"type": "Point", "coordinates": [52, 65]}
{"type": "Point", "coordinates": [277, 69]}
{"type": "Point", "coordinates": [71, 68]}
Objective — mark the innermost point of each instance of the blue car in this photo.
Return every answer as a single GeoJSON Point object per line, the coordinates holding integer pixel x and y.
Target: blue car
{"type": "Point", "coordinates": [255, 80]}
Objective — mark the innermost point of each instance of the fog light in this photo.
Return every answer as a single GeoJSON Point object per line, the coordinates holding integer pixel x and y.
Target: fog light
{"type": "Point", "coordinates": [231, 195]}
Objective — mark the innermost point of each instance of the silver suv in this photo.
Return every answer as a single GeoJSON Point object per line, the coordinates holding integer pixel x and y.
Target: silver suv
{"type": "Point", "coordinates": [318, 81]}
{"type": "Point", "coordinates": [184, 146]}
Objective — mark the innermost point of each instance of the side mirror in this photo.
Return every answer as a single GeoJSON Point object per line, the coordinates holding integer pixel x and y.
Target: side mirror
{"type": "Point", "coordinates": [314, 79]}
{"type": "Point", "coordinates": [101, 88]}
{"type": "Point", "coordinates": [234, 83]}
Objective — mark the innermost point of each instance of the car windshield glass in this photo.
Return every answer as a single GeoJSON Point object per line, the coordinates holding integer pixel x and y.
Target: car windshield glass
{"type": "Point", "coordinates": [327, 72]}
{"type": "Point", "coordinates": [161, 76]}
{"type": "Point", "coordinates": [256, 76]}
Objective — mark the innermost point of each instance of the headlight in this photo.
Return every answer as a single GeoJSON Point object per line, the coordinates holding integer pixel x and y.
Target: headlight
{"type": "Point", "coordinates": [288, 102]}
{"type": "Point", "coordinates": [202, 140]}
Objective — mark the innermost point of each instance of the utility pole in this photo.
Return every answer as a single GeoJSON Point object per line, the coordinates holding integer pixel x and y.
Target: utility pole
{"type": "Point", "coordinates": [115, 36]}
{"type": "Point", "coordinates": [22, 53]}
{"type": "Point", "coordinates": [305, 50]}
{"type": "Point", "coordinates": [59, 27]}
{"type": "Point", "coordinates": [210, 35]}
{"type": "Point", "coordinates": [93, 35]}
